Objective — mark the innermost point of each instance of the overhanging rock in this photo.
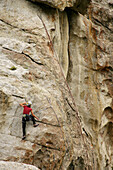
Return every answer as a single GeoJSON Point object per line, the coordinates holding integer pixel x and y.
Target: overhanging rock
{"type": "Point", "coordinates": [77, 5]}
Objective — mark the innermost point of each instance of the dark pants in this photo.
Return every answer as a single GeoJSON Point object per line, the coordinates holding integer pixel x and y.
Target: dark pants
{"type": "Point", "coordinates": [24, 119]}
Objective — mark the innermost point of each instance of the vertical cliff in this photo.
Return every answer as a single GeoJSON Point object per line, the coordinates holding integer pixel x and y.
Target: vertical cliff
{"type": "Point", "coordinates": [58, 54]}
{"type": "Point", "coordinates": [90, 75]}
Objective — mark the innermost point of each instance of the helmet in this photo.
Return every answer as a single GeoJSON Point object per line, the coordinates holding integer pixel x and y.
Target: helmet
{"type": "Point", "coordinates": [29, 103]}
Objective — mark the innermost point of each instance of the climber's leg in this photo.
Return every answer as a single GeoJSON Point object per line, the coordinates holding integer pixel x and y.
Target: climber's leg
{"type": "Point", "coordinates": [34, 122]}
{"type": "Point", "coordinates": [24, 127]}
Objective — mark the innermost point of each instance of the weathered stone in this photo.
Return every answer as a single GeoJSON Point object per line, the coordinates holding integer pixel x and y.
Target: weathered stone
{"type": "Point", "coordinates": [77, 5]}
{"type": "Point", "coordinates": [14, 165]}
{"type": "Point", "coordinates": [73, 133]}
{"type": "Point", "coordinates": [90, 75]}
{"type": "Point", "coordinates": [28, 71]}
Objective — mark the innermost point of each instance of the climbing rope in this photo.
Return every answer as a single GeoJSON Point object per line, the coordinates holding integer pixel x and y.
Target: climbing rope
{"type": "Point", "coordinates": [75, 107]}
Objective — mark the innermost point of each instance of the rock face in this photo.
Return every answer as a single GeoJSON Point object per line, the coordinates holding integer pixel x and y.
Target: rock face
{"type": "Point", "coordinates": [62, 62]}
{"type": "Point", "coordinates": [90, 75]}
{"type": "Point", "coordinates": [76, 5]}
{"type": "Point", "coordinates": [15, 165]}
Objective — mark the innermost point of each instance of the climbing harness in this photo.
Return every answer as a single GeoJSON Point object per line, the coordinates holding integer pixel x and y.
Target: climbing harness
{"type": "Point", "coordinates": [27, 117]}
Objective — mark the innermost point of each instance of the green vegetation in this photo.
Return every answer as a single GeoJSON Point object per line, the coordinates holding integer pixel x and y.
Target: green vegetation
{"type": "Point", "coordinates": [25, 67]}
{"type": "Point", "coordinates": [13, 68]}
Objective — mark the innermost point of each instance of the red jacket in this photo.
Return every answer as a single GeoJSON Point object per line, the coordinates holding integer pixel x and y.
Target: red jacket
{"type": "Point", "coordinates": [26, 110]}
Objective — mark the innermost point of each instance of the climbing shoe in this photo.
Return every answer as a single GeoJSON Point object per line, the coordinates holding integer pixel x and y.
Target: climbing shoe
{"type": "Point", "coordinates": [23, 137]}
{"type": "Point", "coordinates": [35, 125]}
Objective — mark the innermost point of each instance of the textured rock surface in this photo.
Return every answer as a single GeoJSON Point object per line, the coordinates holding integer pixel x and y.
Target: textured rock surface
{"type": "Point", "coordinates": [18, 166]}
{"type": "Point", "coordinates": [90, 75]}
{"type": "Point", "coordinates": [29, 70]}
{"type": "Point", "coordinates": [102, 17]}
{"type": "Point", "coordinates": [27, 73]}
{"type": "Point", "coordinates": [77, 5]}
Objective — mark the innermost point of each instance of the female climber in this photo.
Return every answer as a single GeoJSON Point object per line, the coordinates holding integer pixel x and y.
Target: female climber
{"type": "Point", "coordinates": [27, 117]}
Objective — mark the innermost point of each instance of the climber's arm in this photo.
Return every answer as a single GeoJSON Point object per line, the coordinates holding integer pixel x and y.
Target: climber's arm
{"type": "Point", "coordinates": [34, 115]}
{"type": "Point", "coordinates": [22, 104]}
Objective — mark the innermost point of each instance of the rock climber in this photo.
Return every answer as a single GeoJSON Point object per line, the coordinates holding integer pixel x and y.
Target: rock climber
{"type": "Point", "coordinates": [27, 117]}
